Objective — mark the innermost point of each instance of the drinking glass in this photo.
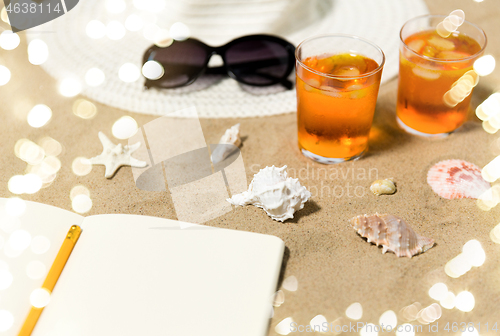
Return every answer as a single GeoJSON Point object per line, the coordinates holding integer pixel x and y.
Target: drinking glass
{"type": "Point", "coordinates": [338, 78]}
{"type": "Point", "coordinates": [435, 75]}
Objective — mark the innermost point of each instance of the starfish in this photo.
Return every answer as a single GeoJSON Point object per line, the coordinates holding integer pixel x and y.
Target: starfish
{"type": "Point", "coordinates": [114, 156]}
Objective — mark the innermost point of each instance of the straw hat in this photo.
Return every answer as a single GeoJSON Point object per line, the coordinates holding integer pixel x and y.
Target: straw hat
{"type": "Point", "coordinates": [112, 36]}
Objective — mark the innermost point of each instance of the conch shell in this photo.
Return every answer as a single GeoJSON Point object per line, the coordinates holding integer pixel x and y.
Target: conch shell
{"type": "Point", "coordinates": [280, 196]}
{"type": "Point", "coordinates": [231, 137]}
{"type": "Point", "coordinates": [393, 233]}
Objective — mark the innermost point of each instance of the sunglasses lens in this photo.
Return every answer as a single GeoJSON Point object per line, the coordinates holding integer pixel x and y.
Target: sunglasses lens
{"type": "Point", "coordinates": [182, 62]}
{"type": "Point", "coordinates": [258, 62]}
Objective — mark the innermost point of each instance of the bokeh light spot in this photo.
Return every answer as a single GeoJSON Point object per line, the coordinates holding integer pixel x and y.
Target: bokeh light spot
{"type": "Point", "coordinates": [129, 73]}
{"type": "Point", "coordinates": [474, 252]}
{"type": "Point", "coordinates": [488, 127]}
{"type": "Point", "coordinates": [40, 244]}
{"type": "Point", "coordinates": [459, 15]}
{"type": "Point", "coordinates": [429, 314]}
{"type": "Point", "coordinates": [405, 329]}
{"type": "Point", "coordinates": [6, 320]}
{"type": "Point", "coordinates": [495, 234]}
{"type": "Point", "coordinates": [115, 6]}
{"type": "Point", "coordinates": [162, 38]}
{"type": "Point", "coordinates": [81, 203]}
{"type": "Point", "coordinates": [354, 311]}
{"type": "Point", "coordinates": [484, 65]}
{"type": "Point", "coordinates": [134, 23]}
{"type": "Point", "coordinates": [451, 23]}
{"type": "Point", "coordinates": [32, 183]}
{"type": "Point", "coordinates": [491, 172]}
{"type": "Point", "coordinates": [284, 327]}
{"type": "Point", "coordinates": [94, 77]}
{"type": "Point", "coordinates": [179, 31]}
{"type": "Point", "coordinates": [70, 87]}
{"type": "Point", "coordinates": [4, 75]}
{"type": "Point", "coordinates": [19, 240]}
{"type": "Point", "coordinates": [152, 70]}
{"type": "Point", "coordinates": [81, 166]}
{"type": "Point", "coordinates": [470, 332]}
{"type": "Point", "coordinates": [318, 323]}
{"type": "Point", "coordinates": [95, 29]}
{"type": "Point", "coordinates": [40, 297]}
{"type": "Point", "coordinates": [28, 151]}
{"type": "Point", "coordinates": [291, 283]}
{"type": "Point", "coordinates": [10, 252]}
{"type": "Point", "coordinates": [438, 291]}
{"type": "Point", "coordinates": [449, 301]}
{"type": "Point", "coordinates": [115, 30]}
{"type": "Point", "coordinates": [39, 116]}
{"type": "Point", "coordinates": [38, 52]}
{"type": "Point", "coordinates": [9, 40]}
{"type": "Point", "coordinates": [149, 31]}
{"type": "Point", "coordinates": [15, 206]}
{"type": "Point", "coordinates": [36, 270]}
{"type": "Point", "coordinates": [16, 185]}
{"type": "Point", "coordinates": [279, 298]}
{"type": "Point", "coordinates": [369, 329]}
{"type": "Point", "coordinates": [5, 279]}
{"type": "Point", "coordinates": [50, 146]}
{"type": "Point", "coordinates": [465, 301]}
{"type": "Point", "coordinates": [4, 16]}
{"type": "Point", "coordinates": [389, 320]}
{"type": "Point", "coordinates": [124, 128]}
{"type": "Point", "coordinates": [410, 312]}
{"type": "Point", "coordinates": [79, 190]}
{"type": "Point", "coordinates": [457, 266]}
{"type": "Point", "coordinates": [84, 109]}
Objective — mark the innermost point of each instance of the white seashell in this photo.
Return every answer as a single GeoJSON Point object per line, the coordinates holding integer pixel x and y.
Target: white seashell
{"type": "Point", "coordinates": [383, 187]}
{"type": "Point", "coordinates": [393, 233]}
{"type": "Point", "coordinates": [231, 137]}
{"type": "Point", "coordinates": [280, 196]}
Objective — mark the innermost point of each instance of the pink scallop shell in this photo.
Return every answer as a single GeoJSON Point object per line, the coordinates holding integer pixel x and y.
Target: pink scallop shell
{"type": "Point", "coordinates": [454, 179]}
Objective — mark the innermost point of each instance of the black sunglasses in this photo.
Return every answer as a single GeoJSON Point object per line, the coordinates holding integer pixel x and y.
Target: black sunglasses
{"type": "Point", "coordinates": [257, 60]}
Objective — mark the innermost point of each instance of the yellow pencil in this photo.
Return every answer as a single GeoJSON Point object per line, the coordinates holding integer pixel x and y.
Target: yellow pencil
{"type": "Point", "coordinates": [52, 277]}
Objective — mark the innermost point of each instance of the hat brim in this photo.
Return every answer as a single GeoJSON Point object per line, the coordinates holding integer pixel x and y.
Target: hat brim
{"type": "Point", "coordinates": [73, 53]}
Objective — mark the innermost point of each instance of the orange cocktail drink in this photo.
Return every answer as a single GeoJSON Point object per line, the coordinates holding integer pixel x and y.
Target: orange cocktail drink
{"type": "Point", "coordinates": [338, 77]}
{"type": "Point", "coordinates": [430, 67]}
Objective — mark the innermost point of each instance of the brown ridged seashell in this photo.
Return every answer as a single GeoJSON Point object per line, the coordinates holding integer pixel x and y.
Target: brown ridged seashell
{"type": "Point", "coordinates": [393, 233]}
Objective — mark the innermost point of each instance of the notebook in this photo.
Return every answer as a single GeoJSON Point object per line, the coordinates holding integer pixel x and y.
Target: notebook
{"type": "Point", "coordinates": [132, 275]}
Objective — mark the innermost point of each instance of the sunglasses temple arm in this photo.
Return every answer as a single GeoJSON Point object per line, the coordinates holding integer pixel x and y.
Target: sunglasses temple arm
{"type": "Point", "coordinates": [287, 83]}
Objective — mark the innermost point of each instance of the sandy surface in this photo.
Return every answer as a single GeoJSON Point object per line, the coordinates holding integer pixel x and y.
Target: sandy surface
{"type": "Point", "coordinates": [333, 265]}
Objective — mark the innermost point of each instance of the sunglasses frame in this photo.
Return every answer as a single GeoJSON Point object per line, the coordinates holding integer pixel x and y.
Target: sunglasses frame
{"type": "Point", "coordinates": [224, 69]}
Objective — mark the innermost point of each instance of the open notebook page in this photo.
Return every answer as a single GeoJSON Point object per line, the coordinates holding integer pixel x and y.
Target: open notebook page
{"type": "Point", "coordinates": [134, 275]}
{"type": "Point", "coordinates": [30, 244]}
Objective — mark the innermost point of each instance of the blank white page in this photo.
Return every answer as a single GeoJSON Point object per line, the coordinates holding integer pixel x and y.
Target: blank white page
{"type": "Point", "coordinates": [44, 228]}
{"type": "Point", "coordinates": [134, 275]}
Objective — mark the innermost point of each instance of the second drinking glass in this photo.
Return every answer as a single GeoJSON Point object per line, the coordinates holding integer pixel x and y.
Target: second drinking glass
{"type": "Point", "coordinates": [338, 77]}
{"type": "Point", "coordinates": [435, 75]}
